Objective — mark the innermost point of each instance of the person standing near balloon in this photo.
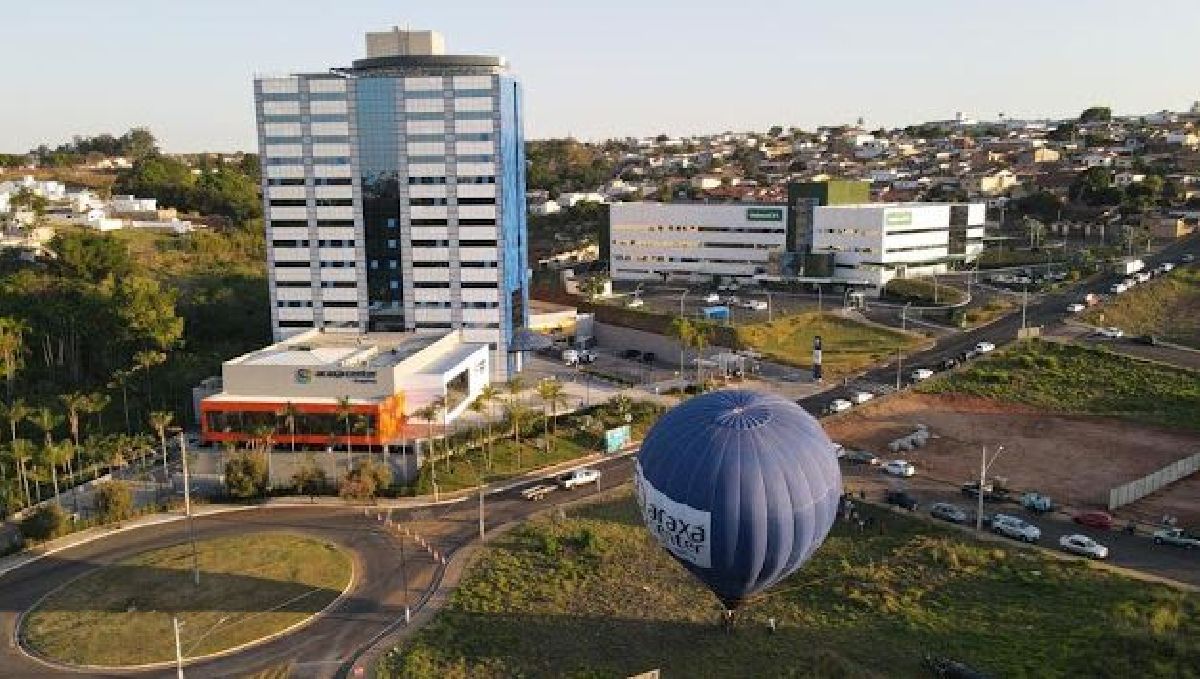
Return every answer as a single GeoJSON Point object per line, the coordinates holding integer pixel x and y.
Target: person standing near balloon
{"type": "Point", "coordinates": [741, 488]}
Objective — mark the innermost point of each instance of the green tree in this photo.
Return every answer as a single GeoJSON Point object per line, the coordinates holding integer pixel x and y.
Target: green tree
{"type": "Point", "coordinates": [289, 413]}
{"type": "Point", "coordinates": [45, 523]}
{"type": "Point", "coordinates": [246, 474]}
{"type": "Point", "coordinates": [488, 396]}
{"type": "Point", "coordinates": [114, 501]}
{"type": "Point", "coordinates": [365, 480]}
{"type": "Point", "coordinates": [12, 350]}
{"type": "Point", "coordinates": [91, 256]}
{"type": "Point", "coordinates": [159, 421]}
{"type": "Point", "coordinates": [1096, 114]}
{"type": "Point", "coordinates": [310, 479]}
{"type": "Point", "coordinates": [75, 404]}
{"type": "Point", "coordinates": [22, 451]}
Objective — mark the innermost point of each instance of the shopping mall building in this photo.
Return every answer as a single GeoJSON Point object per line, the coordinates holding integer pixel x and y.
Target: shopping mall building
{"type": "Point", "coordinates": [372, 384]}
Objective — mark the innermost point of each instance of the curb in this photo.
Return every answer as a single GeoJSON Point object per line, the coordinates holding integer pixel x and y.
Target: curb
{"type": "Point", "coordinates": [80, 669]}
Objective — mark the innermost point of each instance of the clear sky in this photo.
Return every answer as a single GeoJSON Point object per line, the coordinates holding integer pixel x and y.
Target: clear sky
{"type": "Point", "coordinates": [602, 69]}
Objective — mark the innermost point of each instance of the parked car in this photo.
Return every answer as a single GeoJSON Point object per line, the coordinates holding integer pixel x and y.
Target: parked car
{"type": "Point", "coordinates": [758, 305]}
{"type": "Point", "coordinates": [635, 303]}
{"type": "Point", "coordinates": [948, 364]}
{"type": "Point", "coordinates": [901, 499]}
{"type": "Point", "coordinates": [1083, 545]}
{"type": "Point", "coordinates": [948, 512]}
{"type": "Point", "coordinates": [733, 300]}
{"type": "Point", "coordinates": [1118, 288]}
{"type": "Point", "coordinates": [578, 356]}
{"type": "Point", "coordinates": [1148, 340]}
{"type": "Point", "coordinates": [1095, 519]}
{"type": "Point", "coordinates": [712, 298]}
{"type": "Point", "coordinates": [1187, 258]}
{"type": "Point", "coordinates": [984, 347]}
{"type": "Point", "coordinates": [899, 468]}
{"type": "Point", "coordinates": [1036, 502]}
{"type": "Point", "coordinates": [1112, 333]}
{"type": "Point", "coordinates": [861, 397]}
{"type": "Point", "coordinates": [1076, 307]}
{"type": "Point", "coordinates": [840, 405]}
{"type": "Point", "coordinates": [578, 477]}
{"type": "Point", "coordinates": [631, 354]}
{"type": "Point", "coordinates": [648, 357]}
{"type": "Point", "coordinates": [1012, 527]}
{"type": "Point", "coordinates": [1176, 538]}
{"type": "Point", "coordinates": [920, 374]}
{"type": "Point", "coordinates": [861, 457]}
{"type": "Point", "coordinates": [991, 492]}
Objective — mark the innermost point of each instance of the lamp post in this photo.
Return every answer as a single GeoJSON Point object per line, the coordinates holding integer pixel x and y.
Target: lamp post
{"type": "Point", "coordinates": [984, 466]}
{"type": "Point", "coordinates": [187, 507]}
{"type": "Point", "coordinates": [178, 648]}
{"type": "Point", "coordinates": [899, 363]}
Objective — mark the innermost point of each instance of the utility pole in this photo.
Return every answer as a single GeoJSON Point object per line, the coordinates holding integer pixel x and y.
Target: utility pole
{"type": "Point", "coordinates": [984, 465]}
{"type": "Point", "coordinates": [187, 508]}
{"type": "Point", "coordinates": [1024, 304]}
{"type": "Point", "coordinates": [770, 308]}
{"type": "Point", "coordinates": [681, 348]}
{"type": "Point", "coordinates": [904, 317]}
{"type": "Point", "coordinates": [899, 364]}
{"type": "Point", "coordinates": [819, 299]}
{"type": "Point", "coordinates": [482, 491]}
{"type": "Point", "coordinates": [178, 649]}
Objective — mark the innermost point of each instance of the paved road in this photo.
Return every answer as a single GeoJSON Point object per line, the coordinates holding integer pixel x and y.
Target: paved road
{"type": "Point", "coordinates": [1047, 310]}
{"type": "Point", "coordinates": [385, 582]}
{"type": "Point", "coordinates": [1136, 552]}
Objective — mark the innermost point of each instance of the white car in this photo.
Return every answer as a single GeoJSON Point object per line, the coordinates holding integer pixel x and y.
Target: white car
{"type": "Point", "coordinates": [1076, 307]}
{"type": "Point", "coordinates": [578, 477]}
{"type": "Point", "coordinates": [1142, 276]}
{"type": "Point", "coordinates": [758, 305]}
{"type": "Point", "coordinates": [1012, 527]}
{"type": "Point", "coordinates": [712, 298]}
{"type": "Point", "coordinates": [635, 303]}
{"type": "Point", "coordinates": [861, 397]}
{"type": "Point", "coordinates": [1112, 333]}
{"type": "Point", "coordinates": [920, 374]}
{"type": "Point", "coordinates": [984, 347]}
{"type": "Point", "coordinates": [1118, 288]}
{"type": "Point", "coordinates": [1187, 258]}
{"type": "Point", "coordinates": [1083, 545]}
{"type": "Point", "coordinates": [840, 405]}
{"type": "Point", "coordinates": [899, 468]}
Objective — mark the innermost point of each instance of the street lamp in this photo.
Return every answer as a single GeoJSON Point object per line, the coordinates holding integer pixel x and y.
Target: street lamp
{"type": "Point", "coordinates": [187, 506]}
{"type": "Point", "coordinates": [984, 465]}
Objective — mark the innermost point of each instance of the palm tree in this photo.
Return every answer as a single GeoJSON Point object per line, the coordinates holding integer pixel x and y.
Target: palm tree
{"type": "Point", "coordinates": [262, 438]}
{"type": "Point", "coordinates": [96, 402]}
{"type": "Point", "coordinates": [477, 406]}
{"type": "Point", "coordinates": [145, 361]}
{"type": "Point", "coordinates": [55, 454]}
{"type": "Point", "coordinates": [683, 330]}
{"type": "Point", "coordinates": [12, 348]}
{"type": "Point", "coordinates": [289, 413]}
{"type": "Point", "coordinates": [75, 403]}
{"type": "Point", "coordinates": [514, 386]}
{"type": "Point", "coordinates": [515, 411]}
{"type": "Point", "coordinates": [488, 396]}
{"type": "Point", "coordinates": [15, 413]}
{"type": "Point", "coordinates": [429, 413]}
{"type": "Point", "coordinates": [22, 452]}
{"type": "Point", "coordinates": [345, 412]}
{"type": "Point", "coordinates": [550, 392]}
{"type": "Point", "coordinates": [159, 421]}
{"type": "Point", "coordinates": [121, 379]}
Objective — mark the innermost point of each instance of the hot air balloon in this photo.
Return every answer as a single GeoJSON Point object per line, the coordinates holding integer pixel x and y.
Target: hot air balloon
{"type": "Point", "coordinates": [740, 487]}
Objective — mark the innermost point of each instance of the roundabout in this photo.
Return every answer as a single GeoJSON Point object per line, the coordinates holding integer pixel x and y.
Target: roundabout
{"type": "Point", "coordinates": [252, 586]}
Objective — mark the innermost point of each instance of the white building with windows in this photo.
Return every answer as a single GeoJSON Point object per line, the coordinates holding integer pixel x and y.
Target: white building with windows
{"type": "Point", "coordinates": [394, 194]}
{"type": "Point", "coordinates": [694, 241]}
{"type": "Point", "coordinates": [877, 242]}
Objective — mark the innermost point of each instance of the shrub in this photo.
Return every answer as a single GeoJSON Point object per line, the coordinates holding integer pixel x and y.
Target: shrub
{"type": "Point", "coordinates": [44, 523]}
{"type": "Point", "coordinates": [246, 475]}
{"type": "Point", "coordinates": [114, 501]}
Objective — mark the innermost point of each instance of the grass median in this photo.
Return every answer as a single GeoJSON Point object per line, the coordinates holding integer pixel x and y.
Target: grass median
{"type": "Point", "coordinates": [848, 345]}
{"type": "Point", "coordinates": [1073, 379]}
{"type": "Point", "coordinates": [1167, 307]}
{"type": "Point", "coordinates": [251, 586]}
{"type": "Point", "coordinates": [593, 596]}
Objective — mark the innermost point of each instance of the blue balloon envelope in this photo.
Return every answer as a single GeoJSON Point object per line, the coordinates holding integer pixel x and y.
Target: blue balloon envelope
{"type": "Point", "coordinates": [741, 487]}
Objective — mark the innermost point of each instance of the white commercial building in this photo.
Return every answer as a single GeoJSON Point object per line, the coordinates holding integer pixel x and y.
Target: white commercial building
{"type": "Point", "coordinates": [694, 241]}
{"type": "Point", "coordinates": [394, 194]}
{"type": "Point", "coordinates": [877, 242]}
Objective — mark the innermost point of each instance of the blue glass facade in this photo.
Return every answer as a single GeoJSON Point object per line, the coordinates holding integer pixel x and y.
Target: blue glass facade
{"type": "Point", "coordinates": [515, 291]}
{"type": "Point", "coordinates": [379, 170]}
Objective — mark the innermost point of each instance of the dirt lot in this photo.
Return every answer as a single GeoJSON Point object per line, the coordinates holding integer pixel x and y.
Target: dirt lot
{"type": "Point", "coordinates": [1074, 459]}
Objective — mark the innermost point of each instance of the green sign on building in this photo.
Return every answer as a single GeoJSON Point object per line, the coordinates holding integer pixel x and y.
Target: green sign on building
{"type": "Point", "coordinates": [764, 214]}
{"type": "Point", "coordinates": [898, 218]}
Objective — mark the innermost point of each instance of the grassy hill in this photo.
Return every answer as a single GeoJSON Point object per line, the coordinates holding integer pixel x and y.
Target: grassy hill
{"type": "Point", "coordinates": [1168, 307]}
{"type": "Point", "coordinates": [592, 596]}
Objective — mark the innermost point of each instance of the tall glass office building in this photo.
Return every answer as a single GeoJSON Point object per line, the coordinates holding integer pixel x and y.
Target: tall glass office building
{"type": "Point", "coordinates": [394, 193]}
